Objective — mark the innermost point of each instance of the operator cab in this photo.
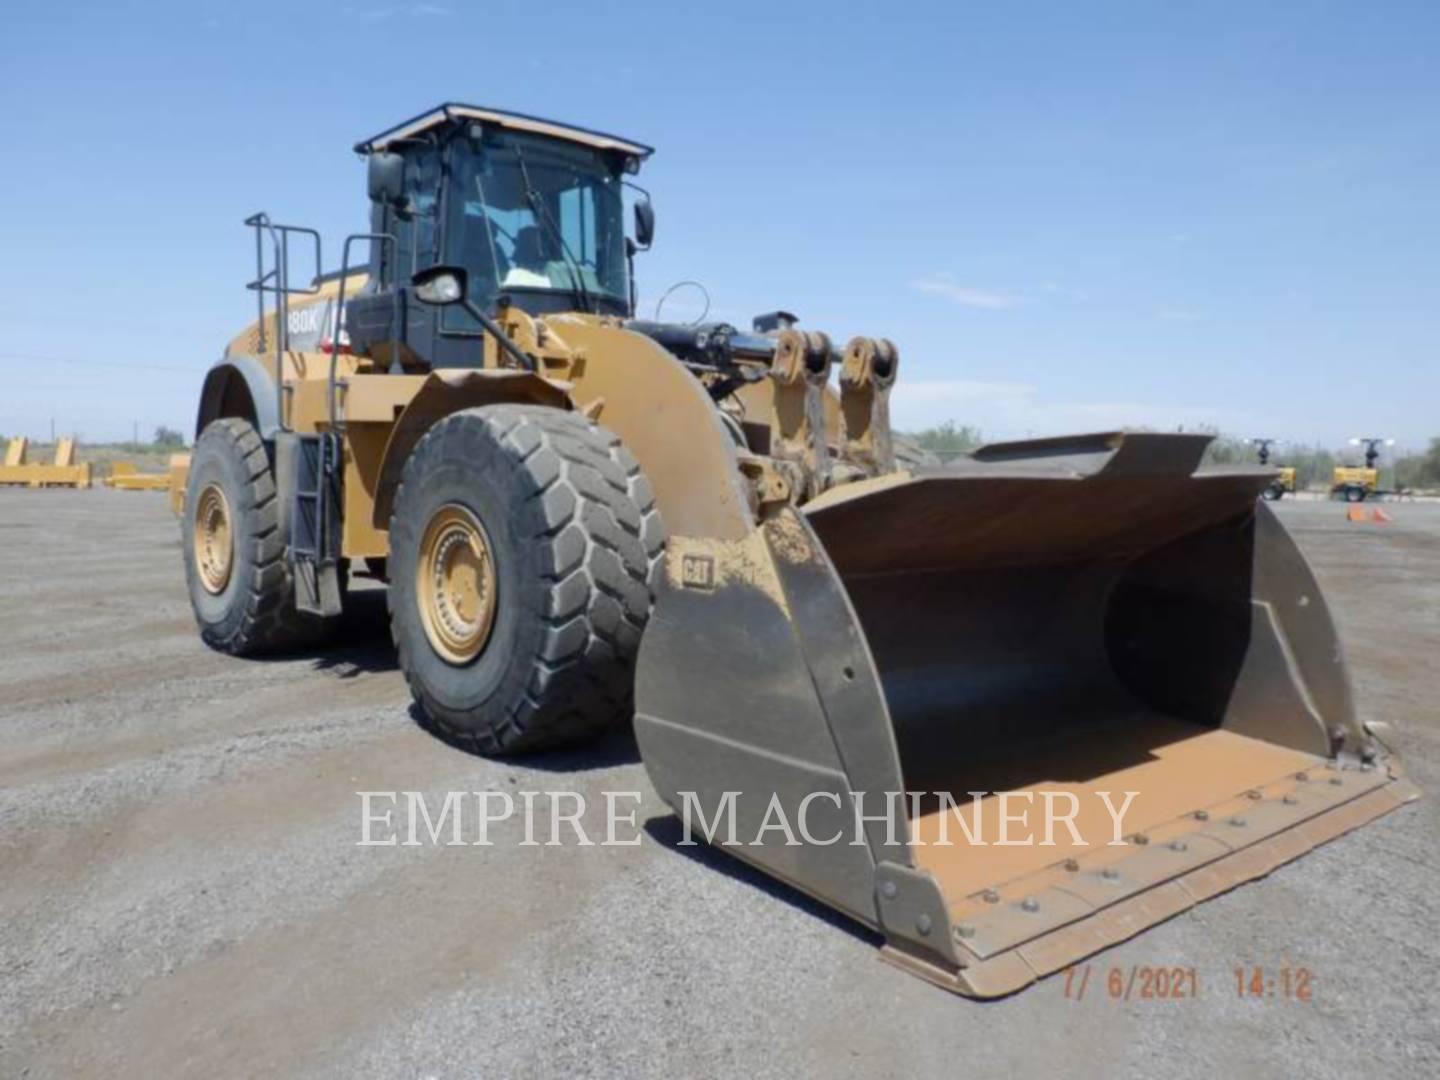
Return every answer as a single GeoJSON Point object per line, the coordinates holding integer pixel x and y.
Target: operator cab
{"type": "Point", "coordinates": [531, 209]}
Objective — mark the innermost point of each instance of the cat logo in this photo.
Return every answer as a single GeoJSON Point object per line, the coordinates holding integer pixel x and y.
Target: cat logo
{"type": "Point", "coordinates": [697, 572]}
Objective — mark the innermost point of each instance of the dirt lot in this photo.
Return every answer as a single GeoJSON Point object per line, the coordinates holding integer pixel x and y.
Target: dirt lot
{"type": "Point", "coordinates": [181, 892]}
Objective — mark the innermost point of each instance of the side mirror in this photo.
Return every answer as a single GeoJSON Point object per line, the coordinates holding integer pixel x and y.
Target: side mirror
{"type": "Point", "coordinates": [439, 285]}
{"type": "Point", "coordinates": [386, 178]}
{"type": "Point", "coordinates": [644, 223]}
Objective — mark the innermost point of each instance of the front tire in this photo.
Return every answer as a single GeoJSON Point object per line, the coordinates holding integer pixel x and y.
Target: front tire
{"type": "Point", "coordinates": [1354, 494]}
{"type": "Point", "coordinates": [524, 545]}
{"type": "Point", "coordinates": [240, 587]}
{"type": "Point", "coordinates": [1273, 493]}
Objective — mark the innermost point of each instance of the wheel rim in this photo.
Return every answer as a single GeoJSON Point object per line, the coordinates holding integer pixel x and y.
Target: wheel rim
{"type": "Point", "coordinates": [214, 540]}
{"type": "Point", "coordinates": [455, 584]}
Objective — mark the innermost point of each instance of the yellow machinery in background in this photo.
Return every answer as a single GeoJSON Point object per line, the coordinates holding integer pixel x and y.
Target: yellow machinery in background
{"type": "Point", "coordinates": [178, 475]}
{"type": "Point", "coordinates": [124, 476]}
{"type": "Point", "coordinates": [1284, 483]}
{"type": "Point", "coordinates": [1355, 483]}
{"type": "Point", "coordinates": [63, 471]}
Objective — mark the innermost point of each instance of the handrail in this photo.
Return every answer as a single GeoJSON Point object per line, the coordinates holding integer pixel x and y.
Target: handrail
{"type": "Point", "coordinates": [280, 276]}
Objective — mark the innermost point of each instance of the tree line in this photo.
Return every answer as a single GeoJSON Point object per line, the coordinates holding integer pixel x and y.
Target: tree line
{"type": "Point", "coordinates": [166, 438]}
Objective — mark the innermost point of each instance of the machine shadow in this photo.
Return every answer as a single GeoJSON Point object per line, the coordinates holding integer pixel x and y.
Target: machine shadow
{"type": "Point", "coordinates": [360, 643]}
{"type": "Point", "coordinates": [668, 832]}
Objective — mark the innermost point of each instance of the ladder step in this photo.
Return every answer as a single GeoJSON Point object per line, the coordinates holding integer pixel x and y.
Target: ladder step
{"type": "Point", "coordinates": [314, 526]}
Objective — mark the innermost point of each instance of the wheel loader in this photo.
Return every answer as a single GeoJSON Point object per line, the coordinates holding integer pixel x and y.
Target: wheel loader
{"type": "Point", "coordinates": [586, 517]}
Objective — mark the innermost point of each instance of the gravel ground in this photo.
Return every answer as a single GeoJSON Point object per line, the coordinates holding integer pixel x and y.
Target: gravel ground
{"type": "Point", "coordinates": [181, 891]}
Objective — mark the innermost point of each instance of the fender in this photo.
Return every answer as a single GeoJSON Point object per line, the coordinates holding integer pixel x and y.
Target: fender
{"type": "Point", "coordinates": [447, 391]}
{"type": "Point", "coordinates": [239, 386]}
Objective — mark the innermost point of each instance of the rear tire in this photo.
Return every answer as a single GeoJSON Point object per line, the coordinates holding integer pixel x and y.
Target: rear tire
{"type": "Point", "coordinates": [240, 586]}
{"type": "Point", "coordinates": [532, 644]}
{"type": "Point", "coordinates": [1273, 493]}
{"type": "Point", "coordinates": [1354, 494]}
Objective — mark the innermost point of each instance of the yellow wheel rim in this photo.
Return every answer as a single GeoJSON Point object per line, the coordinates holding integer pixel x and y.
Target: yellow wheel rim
{"type": "Point", "coordinates": [213, 539]}
{"type": "Point", "coordinates": [455, 584]}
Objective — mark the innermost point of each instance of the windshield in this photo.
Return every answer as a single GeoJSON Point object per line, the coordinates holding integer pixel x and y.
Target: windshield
{"type": "Point", "coordinates": [536, 215]}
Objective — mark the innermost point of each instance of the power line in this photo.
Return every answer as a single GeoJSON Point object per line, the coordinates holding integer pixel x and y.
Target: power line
{"type": "Point", "coordinates": [127, 365]}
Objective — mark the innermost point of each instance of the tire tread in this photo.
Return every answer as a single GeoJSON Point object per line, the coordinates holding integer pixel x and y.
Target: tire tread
{"type": "Point", "coordinates": [271, 621]}
{"type": "Point", "coordinates": [602, 543]}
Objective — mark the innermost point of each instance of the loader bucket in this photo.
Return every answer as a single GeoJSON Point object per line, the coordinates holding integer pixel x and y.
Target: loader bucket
{"type": "Point", "coordinates": [1046, 622]}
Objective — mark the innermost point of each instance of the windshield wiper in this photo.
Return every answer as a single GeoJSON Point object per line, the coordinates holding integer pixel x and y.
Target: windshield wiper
{"type": "Point", "coordinates": [572, 266]}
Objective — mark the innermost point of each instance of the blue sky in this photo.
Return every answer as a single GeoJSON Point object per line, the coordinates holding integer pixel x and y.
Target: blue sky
{"type": "Point", "coordinates": [1069, 216]}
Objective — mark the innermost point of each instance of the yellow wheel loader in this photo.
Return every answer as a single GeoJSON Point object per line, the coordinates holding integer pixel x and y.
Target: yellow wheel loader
{"type": "Point", "coordinates": [584, 516]}
{"type": "Point", "coordinates": [1284, 481]}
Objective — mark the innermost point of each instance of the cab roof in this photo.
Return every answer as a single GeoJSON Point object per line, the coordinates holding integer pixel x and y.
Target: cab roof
{"type": "Point", "coordinates": [451, 111]}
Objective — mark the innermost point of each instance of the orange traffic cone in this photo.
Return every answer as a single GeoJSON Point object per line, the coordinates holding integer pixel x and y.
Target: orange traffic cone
{"type": "Point", "coordinates": [1380, 516]}
{"type": "Point", "coordinates": [1354, 514]}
